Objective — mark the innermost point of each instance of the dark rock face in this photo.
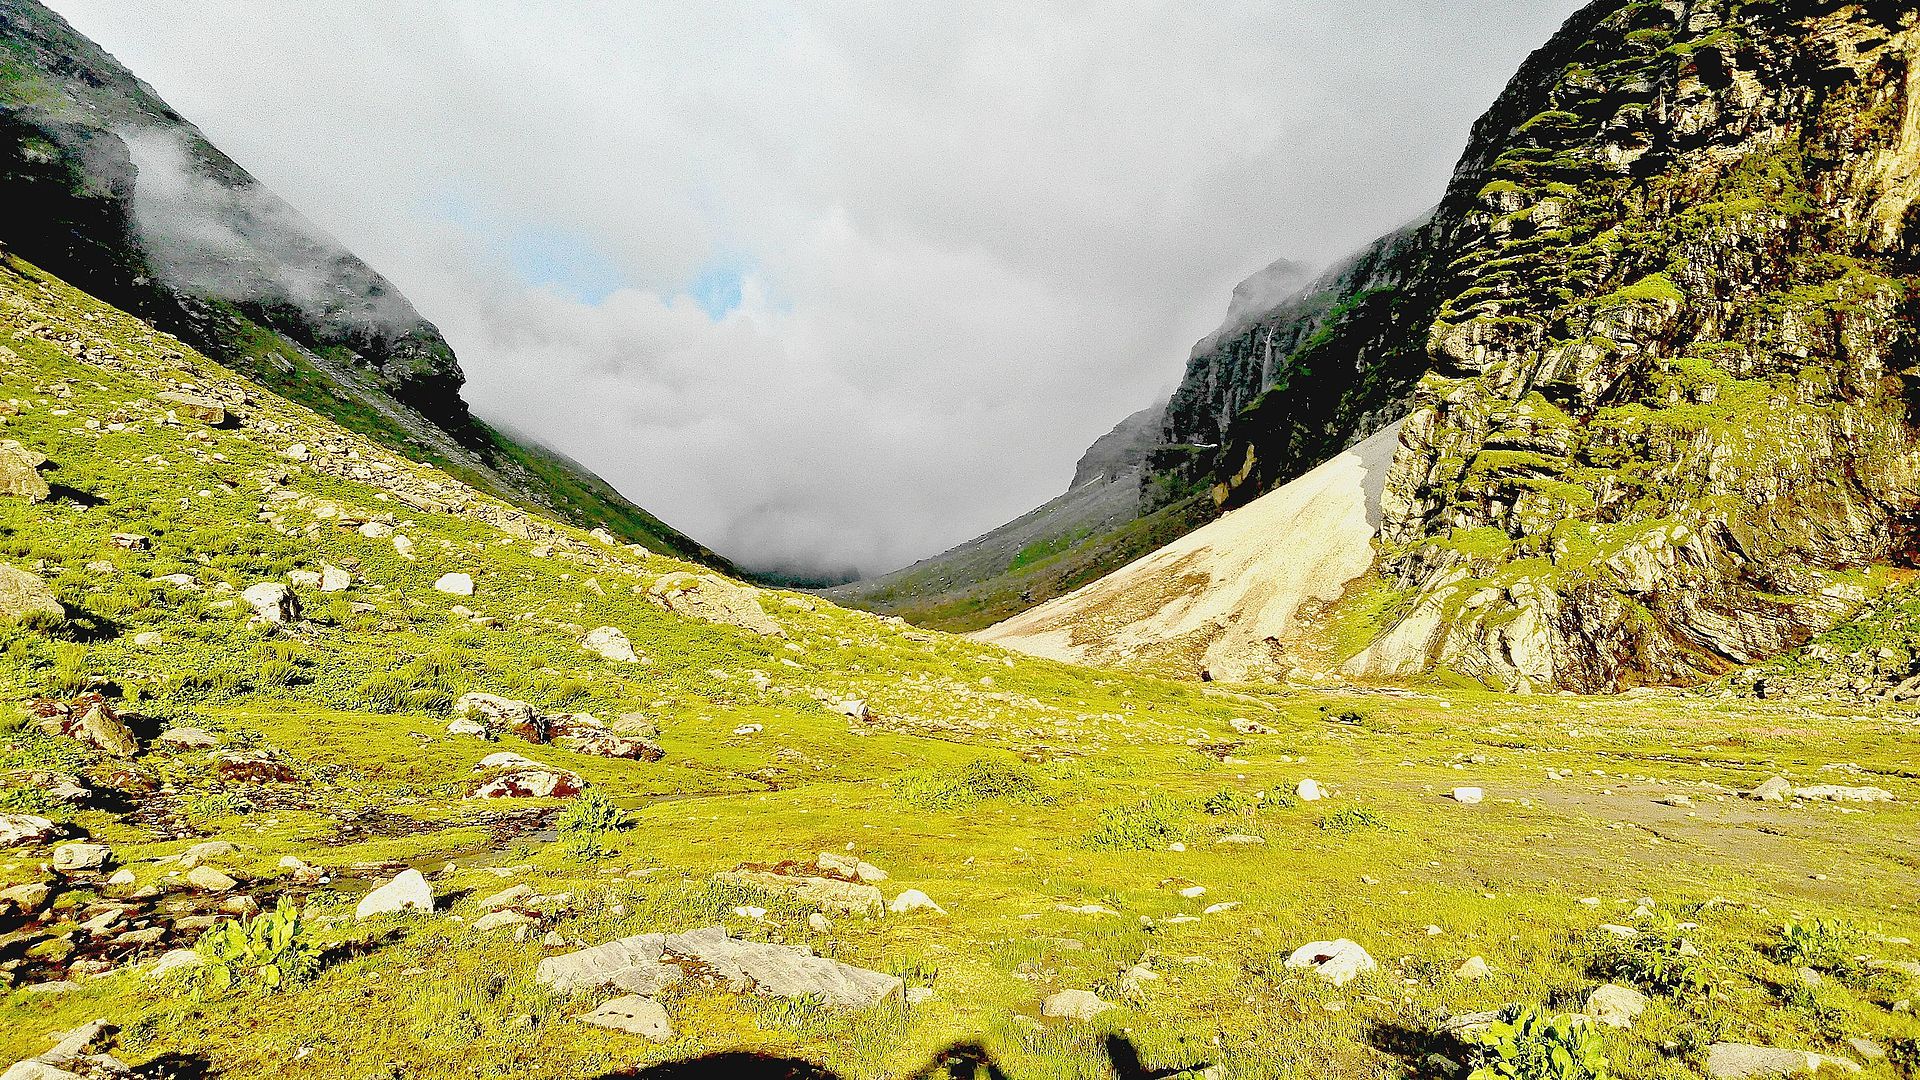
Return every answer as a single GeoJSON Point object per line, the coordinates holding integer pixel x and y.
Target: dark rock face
{"type": "Point", "coordinates": [130, 202]}
{"type": "Point", "coordinates": [1122, 450]}
{"type": "Point", "coordinates": [1667, 425]}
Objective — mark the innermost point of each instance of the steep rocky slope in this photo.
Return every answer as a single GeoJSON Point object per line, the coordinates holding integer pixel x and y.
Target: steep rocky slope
{"type": "Point", "coordinates": [109, 187]}
{"type": "Point", "coordinates": [1668, 424]}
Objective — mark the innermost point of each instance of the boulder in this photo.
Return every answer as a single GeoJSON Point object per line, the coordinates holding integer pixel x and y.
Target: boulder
{"type": "Point", "coordinates": [17, 830]}
{"type": "Point", "coordinates": [1252, 727]}
{"type": "Point", "coordinates": [633, 1015]}
{"type": "Point", "coordinates": [1473, 970]}
{"type": "Point", "coordinates": [502, 714]}
{"type": "Point", "coordinates": [473, 728]}
{"type": "Point", "coordinates": [848, 867]}
{"type": "Point", "coordinates": [510, 776]}
{"type": "Point", "coordinates": [252, 767]}
{"type": "Point", "coordinates": [333, 579]}
{"type": "Point", "coordinates": [914, 900]}
{"type": "Point", "coordinates": [74, 858]}
{"type": "Point", "coordinates": [1339, 962]}
{"type": "Point", "coordinates": [376, 530]}
{"type": "Point", "coordinates": [69, 1058]}
{"type": "Point", "coordinates": [407, 892]}
{"type": "Point", "coordinates": [1616, 1006]}
{"type": "Point", "coordinates": [1741, 1061]}
{"type": "Point", "coordinates": [647, 962]}
{"type": "Point", "coordinates": [455, 584]}
{"type": "Point", "coordinates": [1775, 790]}
{"type": "Point", "coordinates": [206, 410]}
{"type": "Point", "coordinates": [206, 877]}
{"type": "Point", "coordinates": [175, 960]}
{"type": "Point", "coordinates": [303, 579]}
{"type": "Point", "coordinates": [131, 542]}
{"type": "Point", "coordinates": [502, 920]}
{"type": "Point", "coordinates": [26, 899]}
{"type": "Point", "coordinates": [20, 473]}
{"type": "Point", "coordinates": [1074, 1005]}
{"type": "Point", "coordinates": [25, 596]}
{"type": "Point", "coordinates": [1310, 791]}
{"type": "Point", "coordinates": [610, 643]}
{"type": "Point", "coordinates": [206, 852]}
{"type": "Point", "coordinates": [512, 896]}
{"type": "Point", "coordinates": [715, 599]}
{"type": "Point", "coordinates": [1467, 796]}
{"type": "Point", "coordinates": [272, 602]}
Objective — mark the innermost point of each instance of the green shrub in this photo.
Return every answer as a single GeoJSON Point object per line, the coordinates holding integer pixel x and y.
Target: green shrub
{"type": "Point", "coordinates": [1821, 944]}
{"type": "Point", "coordinates": [1146, 826]}
{"type": "Point", "coordinates": [590, 813]}
{"type": "Point", "coordinates": [1532, 1044]}
{"type": "Point", "coordinates": [972, 784]}
{"type": "Point", "coordinates": [271, 951]}
{"type": "Point", "coordinates": [1658, 960]}
{"type": "Point", "coordinates": [1351, 819]}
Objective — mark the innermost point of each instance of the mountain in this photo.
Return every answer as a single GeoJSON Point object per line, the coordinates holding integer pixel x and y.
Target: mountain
{"type": "Point", "coordinates": [1653, 349]}
{"type": "Point", "coordinates": [112, 189]}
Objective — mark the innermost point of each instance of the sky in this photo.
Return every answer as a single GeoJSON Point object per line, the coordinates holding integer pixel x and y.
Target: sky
{"type": "Point", "coordinates": [831, 283]}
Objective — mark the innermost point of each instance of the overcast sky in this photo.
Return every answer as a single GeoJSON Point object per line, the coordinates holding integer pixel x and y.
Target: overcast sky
{"type": "Point", "coordinates": [832, 283]}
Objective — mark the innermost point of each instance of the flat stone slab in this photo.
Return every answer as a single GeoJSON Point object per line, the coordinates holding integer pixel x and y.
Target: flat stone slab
{"type": "Point", "coordinates": [634, 1015]}
{"type": "Point", "coordinates": [645, 963]}
{"type": "Point", "coordinates": [1739, 1061]}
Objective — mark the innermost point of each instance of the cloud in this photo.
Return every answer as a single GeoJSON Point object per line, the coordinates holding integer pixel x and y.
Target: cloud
{"type": "Point", "coordinates": [831, 282]}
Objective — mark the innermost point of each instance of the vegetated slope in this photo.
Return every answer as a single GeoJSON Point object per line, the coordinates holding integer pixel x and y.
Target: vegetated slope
{"type": "Point", "coordinates": [310, 759]}
{"type": "Point", "coordinates": [107, 186]}
{"type": "Point", "coordinates": [1220, 601]}
{"type": "Point", "coordinates": [1048, 552]}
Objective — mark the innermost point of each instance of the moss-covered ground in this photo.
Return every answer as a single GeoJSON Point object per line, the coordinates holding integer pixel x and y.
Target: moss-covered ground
{"type": "Point", "coordinates": [1061, 862]}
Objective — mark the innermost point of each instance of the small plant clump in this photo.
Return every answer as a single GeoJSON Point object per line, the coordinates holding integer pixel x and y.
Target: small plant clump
{"type": "Point", "coordinates": [1830, 945]}
{"type": "Point", "coordinates": [268, 952]}
{"type": "Point", "coordinates": [1145, 826]}
{"type": "Point", "coordinates": [1351, 819]}
{"type": "Point", "coordinates": [586, 822]}
{"type": "Point", "coordinates": [1533, 1044]}
{"type": "Point", "coordinates": [976, 782]}
{"type": "Point", "coordinates": [1658, 959]}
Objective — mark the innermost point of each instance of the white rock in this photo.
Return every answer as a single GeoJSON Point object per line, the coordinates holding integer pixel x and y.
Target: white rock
{"type": "Point", "coordinates": [501, 920]}
{"type": "Point", "coordinates": [403, 545]}
{"type": "Point", "coordinates": [1473, 970]}
{"type": "Point", "coordinates": [1616, 1006]}
{"type": "Point", "coordinates": [375, 530]}
{"type": "Point", "coordinates": [333, 579]}
{"type": "Point", "coordinates": [1074, 1005]}
{"type": "Point", "coordinates": [1836, 793]}
{"type": "Point", "coordinates": [19, 829]}
{"type": "Point", "coordinates": [407, 892]}
{"type": "Point", "coordinates": [72, 857]}
{"type": "Point", "coordinates": [610, 643]}
{"type": "Point", "coordinates": [634, 1015]}
{"type": "Point", "coordinates": [175, 960]}
{"type": "Point", "coordinates": [1339, 962]}
{"type": "Point", "coordinates": [455, 584]}
{"type": "Point", "coordinates": [914, 900]}
{"type": "Point", "coordinates": [272, 602]}
{"type": "Point", "coordinates": [1310, 791]}
{"type": "Point", "coordinates": [1467, 796]}
{"type": "Point", "coordinates": [1740, 1061]}
{"type": "Point", "coordinates": [467, 727]}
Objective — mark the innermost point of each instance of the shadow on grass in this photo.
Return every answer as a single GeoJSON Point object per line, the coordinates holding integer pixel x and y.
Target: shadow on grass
{"type": "Point", "coordinates": [961, 1061]}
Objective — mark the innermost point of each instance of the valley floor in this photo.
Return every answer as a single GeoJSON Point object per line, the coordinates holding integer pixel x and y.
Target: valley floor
{"type": "Point", "coordinates": [1142, 840]}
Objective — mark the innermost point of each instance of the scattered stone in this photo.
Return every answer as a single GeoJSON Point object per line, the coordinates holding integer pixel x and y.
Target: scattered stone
{"type": "Point", "coordinates": [26, 899]}
{"type": "Point", "coordinates": [848, 867]}
{"type": "Point", "coordinates": [24, 596]}
{"type": "Point", "coordinates": [375, 530]}
{"type": "Point", "coordinates": [830, 894]}
{"type": "Point", "coordinates": [634, 1015]}
{"type": "Point", "coordinates": [1836, 793]}
{"type": "Point", "coordinates": [1240, 838]}
{"type": "Point", "coordinates": [1339, 962]}
{"type": "Point", "coordinates": [510, 776]}
{"type": "Point", "coordinates": [512, 896]}
{"type": "Point", "coordinates": [205, 410]}
{"type": "Point", "coordinates": [1473, 970]}
{"type": "Point", "coordinates": [207, 852]}
{"type": "Point", "coordinates": [501, 920]}
{"type": "Point", "coordinates": [1867, 1048]}
{"type": "Point", "coordinates": [407, 892]}
{"type": "Point", "coordinates": [301, 869]}
{"type": "Point", "coordinates": [1310, 791]}
{"type": "Point", "coordinates": [472, 728]}
{"type": "Point", "coordinates": [1252, 727]}
{"type": "Point", "coordinates": [75, 858]}
{"type": "Point", "coordinates": [1074, 1005]}
{"type": "Point", "coordinates": [272, 602]}
{"type": "Point", "coordinates": [131, 542]}
{"type": "Point", "coordinates": [818, 923]}
{"type": "Point", "coordinates": [99, 725]}
{"type": "Point", "coordinates": [187, 738]}
{"type": "Point", "coordinates": [206, 877]}
{"type": "Point", "coordinates": [252, 767]}
{"type": "Point", "coordinates": [69, 1058]}
{"type": "Point", "coordinates": [455, 584]}
{"type": "Point", "coordinates": [1467, 796]}
{"type": "Point", "coordinates": [1627, 933]}
{"type": "Point", "coordinates": [853, 709]}
{"type": "Point", "coordinates": [1740, 1061]}
{"type": "Point", "coordinates": [914, 900]}
{"type": "Point", "coordinates": [1778, 789]}
{"type": "Point", "coordinates": [610, 643]}
{"type": "Point", "coordinates": [1674, 800]}
{"type": "Point", "coordinates": [1616, 1006]}
{"type": "Point", "coordinates": [333, 579]}
{"type": "Point", "coordinates": [403, 545]}
{"type": "Point", "coordinates": [303, 579]}
{"type": "Point", "coordinates": [175, 960]}
{"type": "Point", "coordinates": [919, 995]}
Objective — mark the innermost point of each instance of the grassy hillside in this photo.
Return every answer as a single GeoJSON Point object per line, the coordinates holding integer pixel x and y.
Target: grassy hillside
{"type": "Point", "coordinates": [1081, 829]}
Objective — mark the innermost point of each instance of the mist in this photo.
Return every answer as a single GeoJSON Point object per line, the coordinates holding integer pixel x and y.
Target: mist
{"type": "Point", "coordinates": [831, 285]}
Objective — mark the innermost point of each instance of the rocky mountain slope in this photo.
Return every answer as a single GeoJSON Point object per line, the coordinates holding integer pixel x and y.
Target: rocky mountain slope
{"type": "Point", "coordinates": [1654, 349]}
{"type": "Point", "coordinates": [316, 762]}
{"type": "Point", "coordinates": [109, 187]}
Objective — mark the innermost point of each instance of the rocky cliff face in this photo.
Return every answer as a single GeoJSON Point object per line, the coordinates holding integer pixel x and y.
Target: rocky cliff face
{"type": "Point", "coordinates": [1668, 423]}
{"type": "Point", "coordinates": [108, 187]}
